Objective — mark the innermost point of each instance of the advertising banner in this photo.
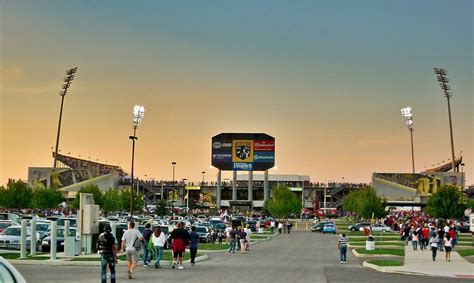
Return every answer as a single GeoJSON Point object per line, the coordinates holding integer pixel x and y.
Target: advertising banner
{"type": "Point", "coordinates": [243, 151]}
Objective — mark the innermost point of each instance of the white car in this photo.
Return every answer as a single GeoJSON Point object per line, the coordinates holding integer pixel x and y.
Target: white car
{"type": "Point", "coordinates": [380, 228]}
{"type": "Point", "coordinates": [8, 273]}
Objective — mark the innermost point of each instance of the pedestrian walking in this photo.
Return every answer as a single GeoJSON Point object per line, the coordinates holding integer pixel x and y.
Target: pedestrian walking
{"type": "Point", "coordinates": [342, 246]}
{"type": "Point", "coordinates": [131, 241]}
{"type": "Point", "coordinates": [107, 247]}
{"type": "Point", "coordinates": [280, 228]}
{"type": "Point", "coordinates": [272, 226]}
{"type": "Point", "coordinates": [448, 245]}
{"type": "Point", "coordinates": [227, 234]}
{"type": "Point", "coordinates": [434, 246]}
{"type": "Point", "coordinates": [147, 254]}
{"type": "Point", "coordinates": [248, 231]}
{"type": "Point", "coordinates": [289, 225]}
{"type": "Point", "coordinates": [441, 239]}
{"type": "Point", "coordinates": [193, 244]}
{"type": "Point", "coordinates": [180, 239]}
{"type": "Point", "coordinates": [159, 241]}
{"type": "Point", "coordinates": [233, 239]}
{"type": "Point", "coordinates": [414, 240]}
{"type": "Point", "coordinates": [242, 239]}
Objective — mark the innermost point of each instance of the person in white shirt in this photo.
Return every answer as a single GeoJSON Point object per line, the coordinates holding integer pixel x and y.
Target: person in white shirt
{"type": "Point", "coordinates": [280, 227]}
{"type": "Point", "coordinates": [159, 241]}
{"type": "Point", "coordinates": [248, 231]}
{"type": "Point", "coordinates": [227, 234]}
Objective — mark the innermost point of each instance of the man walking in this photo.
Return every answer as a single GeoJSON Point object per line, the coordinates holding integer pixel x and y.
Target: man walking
{"type": "Point", "coordinates": [342, 246]}
{"type": "Point", "coordinates": [233, 239]}
{"type": "Point", "coordinates": [193, 244]}
{"type": "Point", "coordinates": [131, 241]}
{"type": "Point", "coordinates": [147, 254]}
{"type": "Point", "coordinates": [107, 247]}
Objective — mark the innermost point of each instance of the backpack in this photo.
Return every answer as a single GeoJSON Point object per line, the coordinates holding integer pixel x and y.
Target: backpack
{"type": "Point", "coordinates": [137, 244]}
{"type": "Point", "coordinates": [103, 244]}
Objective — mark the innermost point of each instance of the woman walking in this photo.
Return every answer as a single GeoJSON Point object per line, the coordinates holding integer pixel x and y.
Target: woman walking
{"type": "Point", "coordinates": [180, 239]}
{"type": "Point", "coordinates": [448, 246]}
{"type": "Point", "coordinates": [414, 240]}
{"type": "Point", "coordinates": [434, 246]}
{"type": "Point", "coordinates": [159, 240]}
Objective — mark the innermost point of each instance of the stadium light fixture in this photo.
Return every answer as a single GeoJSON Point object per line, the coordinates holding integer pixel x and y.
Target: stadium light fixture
{"type": "Point", "coordinates": [443, 83]}
{"type": "Point", "coordinates": [138, 114]}
{"type": "Point", "coordinates": [70, 75]}
{"type": "Point", "coordinates": [407, 116]}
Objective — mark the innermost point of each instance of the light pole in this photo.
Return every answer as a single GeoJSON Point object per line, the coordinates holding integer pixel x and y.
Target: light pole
{"type": "Point", "coordinates": [138, 114]}
{"type": "Point", "coordinates": [70, 74]}
{"type": "Point", "coordinates": [443, 83]}
{"type": "Point", "coordinates": [203, 174]}
{"type": "Point", "coordinates": [408, 118]}
{"type": "Point", "coordinates": [173, 164]}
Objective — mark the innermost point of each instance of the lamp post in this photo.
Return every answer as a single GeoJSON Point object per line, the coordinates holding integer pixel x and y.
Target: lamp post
{"type": "Point", "coordinates": [408, 118]}
{"type": "Point", "coordinates": [203, 174]}
{"type": "Point", "coordinates": [443, 83]}
{"type": "Point", "coordinates": [138, 114]}
{"type": "Point", "coordinates": [70, 74]}
{"type": "Point", "coordinates": [173, 164]}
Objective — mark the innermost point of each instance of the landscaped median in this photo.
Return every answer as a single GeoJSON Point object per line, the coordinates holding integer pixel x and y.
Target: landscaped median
{"type": "Point", "coordinates": [379, 252]}
{"type": "Point", "coordinates": [385, 262]}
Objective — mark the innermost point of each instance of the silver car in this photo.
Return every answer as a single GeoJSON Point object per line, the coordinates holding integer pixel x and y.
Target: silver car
{"type": "Point", "coordinates": [10, 238]}
{"type": "Point", "coordinates": [8, 273]}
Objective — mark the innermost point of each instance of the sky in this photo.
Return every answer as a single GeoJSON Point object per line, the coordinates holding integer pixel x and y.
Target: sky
{"type": "Point", "coordinates": [327, 79]}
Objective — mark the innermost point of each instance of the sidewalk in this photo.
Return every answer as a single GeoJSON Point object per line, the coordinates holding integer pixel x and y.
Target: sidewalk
{"type": "Point", "coordinates": [420, 262]}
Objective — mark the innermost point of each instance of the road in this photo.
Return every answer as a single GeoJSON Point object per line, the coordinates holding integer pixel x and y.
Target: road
{"type": "Point", "coordinates": [297, 257]}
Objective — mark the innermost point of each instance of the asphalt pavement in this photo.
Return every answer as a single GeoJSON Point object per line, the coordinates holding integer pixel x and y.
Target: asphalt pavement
{"type": "Point", "coordinates": [297, 257]}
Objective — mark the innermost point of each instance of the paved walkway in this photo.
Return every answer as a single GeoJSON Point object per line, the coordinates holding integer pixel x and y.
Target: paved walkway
{"type": "Point", "coordinates": [422, 263]}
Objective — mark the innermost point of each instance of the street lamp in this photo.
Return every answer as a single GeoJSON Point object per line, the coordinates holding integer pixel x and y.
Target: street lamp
{"type": "Point", "coordinates": [173, 164]}
{"type": "Point", "coordinates": [203, 174]}
{"type": "Point", "coordinates": [70, 74]}
{"type": "Point", "coordinates": [408, 118]}
{"type": "Point", "coordinates": [138, 114]}
{"type": "Point", "coordinates": [443, 83]}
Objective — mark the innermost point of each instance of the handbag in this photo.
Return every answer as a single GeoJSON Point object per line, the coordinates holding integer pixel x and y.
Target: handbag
{"type": "Point", "coordinates": [137, 244]}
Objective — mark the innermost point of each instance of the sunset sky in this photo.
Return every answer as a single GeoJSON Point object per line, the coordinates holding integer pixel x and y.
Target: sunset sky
{"type": "Point", "coordinates": [327, 79]}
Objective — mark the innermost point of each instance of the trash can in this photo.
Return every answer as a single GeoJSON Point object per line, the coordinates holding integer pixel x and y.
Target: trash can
{"type": "Point", "coordinates": [370, 243]}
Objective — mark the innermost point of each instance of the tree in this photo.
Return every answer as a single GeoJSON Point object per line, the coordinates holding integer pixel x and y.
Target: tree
{"type": "Point", "coordinates": [91, 189]}
{"type": "Point", "coordinates": [365, 202]}
{"type": "Point", "coordinates": [112, 201]}
{"type": "Point", "coordinates": [161, 207]}
{"type": "Point", "coordinates": [46, 198]}
{"type": "Point", "coordinates": [446, 202]}
{"type": "Point", "coordinates": [283, 203]}
{"type": "Point", "coordinates": [137, 200]}
{"type": "Point", "coordinates": [17, 194]}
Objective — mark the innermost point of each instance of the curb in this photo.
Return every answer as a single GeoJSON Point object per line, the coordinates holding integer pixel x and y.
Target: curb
{"type": "Point", "coordinates": [59, 262]}
{"type": "Point", "coordinates": [381, 269]}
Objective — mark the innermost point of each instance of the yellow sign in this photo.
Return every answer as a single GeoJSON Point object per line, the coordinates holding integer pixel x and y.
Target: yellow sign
{"type": "Point", "coordinates": [242, 151]}
{"type": "Point", "coordinates": [193, 188]}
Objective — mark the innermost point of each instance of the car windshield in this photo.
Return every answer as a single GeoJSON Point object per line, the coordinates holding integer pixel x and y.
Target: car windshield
{"type": "Point", "coordinates": [72, 222]}
{"type": "Point", "coordinates": [12, 231]}
{"type": "Point", "coordinates": [4, 225]}
{"type": "Point", "coordinates": [201, 230]}
{"type": "Point", "coordinates": [329, 225]}
{"type": "Point", "coordinates": [42, 227]}
{"type": "Point", "coordinates": [72, 233]}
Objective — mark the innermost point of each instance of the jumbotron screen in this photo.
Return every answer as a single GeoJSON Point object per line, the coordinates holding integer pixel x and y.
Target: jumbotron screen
{"type": "Point", "coordinates": [243, 152]}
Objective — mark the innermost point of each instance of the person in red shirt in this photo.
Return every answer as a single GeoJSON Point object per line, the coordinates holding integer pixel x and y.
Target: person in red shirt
{"type": "Point", "coordinates": [425, 231]}
{"type": "Point", "coordinates": [452, 234]}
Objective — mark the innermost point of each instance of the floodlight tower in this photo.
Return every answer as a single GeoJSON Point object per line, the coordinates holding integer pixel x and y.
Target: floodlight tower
{"type": "Point", "coordinates": [138, 114]}
{"type": "Point", "coordinates": [408, 118]}
{"type": "Point", "coordinates": [70, 74]}
{"type": "Point", "coordinates": [443, 83]}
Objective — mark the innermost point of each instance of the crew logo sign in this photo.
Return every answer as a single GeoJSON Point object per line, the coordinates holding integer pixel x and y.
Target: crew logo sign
{"type": "Point", "coordinates": [242, 151]}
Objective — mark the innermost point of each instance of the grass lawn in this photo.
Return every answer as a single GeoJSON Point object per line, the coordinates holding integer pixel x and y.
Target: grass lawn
{"type": "Point", "coordinates": [382, 251]}
{"type": "Point", "coordinates": [205, 246]}
{"type": "Point", "coordinates": [465, 252]}
{"type": "Point", "coordinates": [382, 262]}
{"type": "Point", "coordinates": [258, 237]}
{"type": "Point", "coordinates": [17, 256]}
{"type": "Point", "coordinates": [166, 256]}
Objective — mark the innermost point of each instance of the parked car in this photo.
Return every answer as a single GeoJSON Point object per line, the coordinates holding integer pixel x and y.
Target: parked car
{"type": "Point", "coordinates": [358, 226]}
{"type": "Point", "coordinates": [42, 228]}
{"type": "Point", "coordinates": [72, 222]}
{"type": "Point", "coordinates": [46, 242]}
{"type": "Point", "coordinates": [380, 228]}
{"type": "Point", "coordinates": [202, 218]}
{"type": "Point", "coordinates": [8, 273]}
{"type": "Point", "coordinates": [329, 228]}
{"type": "Point", "coordinates": [10, 216]}
{"type": "Point", "coordinates": [318, 227]}
{"type": "Point", "coordinates": [204, 234]}
{"type": "Point", "coordinates": [10, 238]}
{"type": "Point", "coordinates": [253, 225]}
{"type": "Point", "coordinates": [4, 224]}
